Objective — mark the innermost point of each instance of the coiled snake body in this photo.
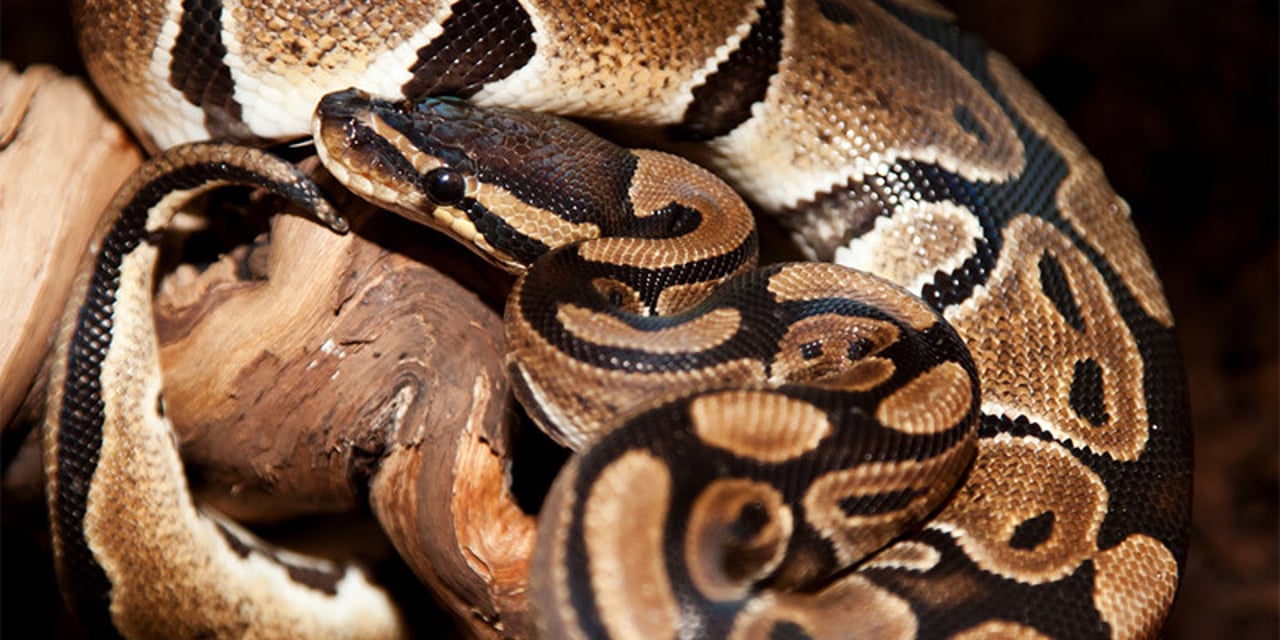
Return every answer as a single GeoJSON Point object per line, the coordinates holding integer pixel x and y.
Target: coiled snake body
{"type": "Point", "coordinates": [754, 441]}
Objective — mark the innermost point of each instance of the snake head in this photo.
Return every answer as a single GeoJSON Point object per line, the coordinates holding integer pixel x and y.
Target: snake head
{"type": "Point", "coordinates": [507, 184]}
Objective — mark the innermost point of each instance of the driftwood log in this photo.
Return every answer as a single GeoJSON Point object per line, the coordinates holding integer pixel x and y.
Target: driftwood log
{"type": "Point", "coordinates": [318, 372]}
{"type": "Point", "coordinates": [61, 159]}
{"type": "Point", "coordinates": [308, 372]}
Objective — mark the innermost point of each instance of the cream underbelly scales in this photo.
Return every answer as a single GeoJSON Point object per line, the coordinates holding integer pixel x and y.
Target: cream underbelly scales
{"type": "Point", "coordinates": [807, 407]}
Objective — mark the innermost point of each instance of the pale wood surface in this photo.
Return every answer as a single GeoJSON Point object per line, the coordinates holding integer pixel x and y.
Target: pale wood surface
{"type": "Point", "coordinates": [317, 371]}
{"type": "Point", "coordinates": [61, 159]}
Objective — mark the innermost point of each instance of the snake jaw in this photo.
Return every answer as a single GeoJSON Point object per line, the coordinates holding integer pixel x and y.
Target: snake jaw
{"type": "Point", "coordinates": [373, 158]}
{"type": "Point", "coordinates": [354, 146]}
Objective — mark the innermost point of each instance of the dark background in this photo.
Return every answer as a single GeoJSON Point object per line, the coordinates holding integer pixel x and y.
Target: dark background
{"type": "Point", "coordinates": [1178, 99]}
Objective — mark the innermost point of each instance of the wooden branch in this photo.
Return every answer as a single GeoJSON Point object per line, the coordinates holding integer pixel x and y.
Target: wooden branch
{"type": "Point", "coordinates": [61, 159]}
{"type": "Point", "coordinates": [308, 373]}
{"type": "Point", "coordinates": [340, 371]}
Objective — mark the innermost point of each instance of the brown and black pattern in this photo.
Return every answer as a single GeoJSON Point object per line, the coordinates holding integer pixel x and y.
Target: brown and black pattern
{"type": "Point", "coordinates": [482, 42]}
{"type": "Point", "coordinates": [838, 407]}
{"type": "Point", "coordinates": [136, 557]}
{"type": "Point", "coordinates": [723, 101]}
{"type": "Point", "coordinates": [199, 69]}
{"type": "Point", "coordinates": [883, 137]}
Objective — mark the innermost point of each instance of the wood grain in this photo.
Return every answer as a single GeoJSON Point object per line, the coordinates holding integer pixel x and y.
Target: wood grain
{"type": "Point", "coordinates": [61, 159]}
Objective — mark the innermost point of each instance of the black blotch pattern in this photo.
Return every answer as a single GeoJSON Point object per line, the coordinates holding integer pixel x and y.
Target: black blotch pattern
{"type": "Point", "coordinates": [1063, 607]}
{"type": "Point", "coordinates": [199, 70]}
{"type": "Point", "coordinates": [671, 221]}
{"type": "Point", "coordinates": [967, 121]}
{"type": "Point", "coordinates": [788, 630]}
{"type": "Point", "coordinates": [1156, 496]}
{"type": "Point", "coordinates": [752, 519]}
{"type": "Point", "coordinates": [837, 12]}
{"type": "Point", "coordinates": [1087, 393]}
{"type": "Point", "coordinates": [1056, 287]}
{"type": "Point", "coordinates": [318, 579]}
{"type": "Point", "coordinates": [724, 101]}
{"type": "Point", "coordinates": [859, 349]}
{"type": "Point", "coordinates": [811, 350]}
{"type": "Point", "coordinates": [1033, 532]}
{"type": "Point", "coordinates": [482, 42]}
{"type": "Point", "coordinates": [878, 503]}
{"type": "Point", "coordinates": [499, 233]}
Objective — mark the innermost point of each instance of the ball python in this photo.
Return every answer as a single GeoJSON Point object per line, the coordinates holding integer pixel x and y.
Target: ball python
{"type": "Point", "coordinates": [881, 136]}
{"type": "Point", "coordinates": [800, 415]}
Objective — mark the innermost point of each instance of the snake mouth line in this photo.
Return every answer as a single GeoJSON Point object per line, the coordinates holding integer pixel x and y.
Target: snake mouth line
{"type": "Point", "coordinates": [377, 163]}
{"type": "Point", "coordinates": [385, 155]}
{"type": "Point", "coordinates": [409, 204]}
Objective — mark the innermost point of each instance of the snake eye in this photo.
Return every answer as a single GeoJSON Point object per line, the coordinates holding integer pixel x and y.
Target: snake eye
{"type": "Point", "coordinates": [445, 186]}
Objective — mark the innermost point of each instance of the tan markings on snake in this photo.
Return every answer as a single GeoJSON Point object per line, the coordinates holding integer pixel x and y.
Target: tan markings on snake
{"type": "Point", "coordinates": [620, 59]}
{"type": "Point", "coordinates": [908, 554]}
{"type": "Point", "coordinates": [422, 163]}
{"type": "Point", "coordinates": [856, 535]}
{"type": "Point", "coordinates": [795, 284]}
{"type": "Point", "coordinates": [933, 402]}
{"type": "Point", "coordinates": [680, 297]}
{"type": "Point", "coordinates": [634, 596]}
{"type": "Point", "coordinates": [535, 222]}
{"type": "Point", "coordinates": [699, 334]}
{"type": "Point", "coordinates": [1000, 630]}
{"type": "Point", "coordinates": [873, 116]}
{"type": "Point", "coordinates": [1027, 353]}
{"type": "Point", "coordinates": [624, 297]}
{"type": "Point", "coordinates": [123, 40]}
{"type": "Point", "coordinates": [291, 41]}
{"type": "Point", "coordinates": [1012, 482]}
{"type": "Point", "coordinates": [720, 232]}
{"type": "Point", "coordinates": [855, 94]}
{"type": "Point", "coordinates": [720, 562]}
{"type": "Point", "coordinates": [592, 407]}
{"type": "Point", "coordinates": [918, 240]}
{"type": "Point", "coordinates": [531, 221]}
{"type": "Point", "coordinates": [826, 615]}
{"type": "Point", "coordinates": [550, 560]}
{"type": "Point", "coordinates": [1136, 581]}
{"type": "Point", "coordinates": [1095, 211]}
{"type": "Point", "coordinates": [834, 335]}
{"type": "Point", "coordinates": [761, 425]}
{"type": "Point", "coordinates": [290, 54]}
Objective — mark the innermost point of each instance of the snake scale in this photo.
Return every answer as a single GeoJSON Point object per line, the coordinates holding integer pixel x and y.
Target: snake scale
{"type": "Point", "coordinates": [762, 452]}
